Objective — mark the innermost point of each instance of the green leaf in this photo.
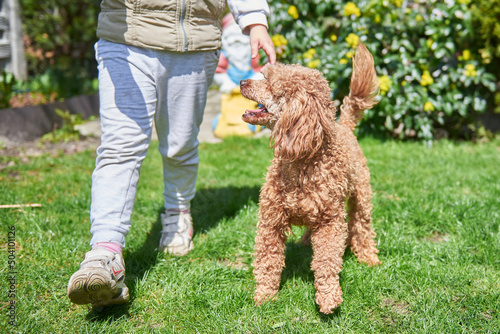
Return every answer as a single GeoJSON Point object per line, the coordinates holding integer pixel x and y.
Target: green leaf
{"type": "Point", "coordinates": [406, 43]}
{"type": "Point", "coordinates": [440, 53]}
{"type": "Point", "coordinates": [490, 85]}
{"type": "Point", "coordinates": [388, 123]}
{"type": "Point", "coordinates": [430, 31]}
{"type": "Point", "coordinates": [450, 46]}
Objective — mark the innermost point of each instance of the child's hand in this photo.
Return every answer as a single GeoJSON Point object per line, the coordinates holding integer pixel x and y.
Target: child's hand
{"type": "Point", "coordinates": [260, 39]}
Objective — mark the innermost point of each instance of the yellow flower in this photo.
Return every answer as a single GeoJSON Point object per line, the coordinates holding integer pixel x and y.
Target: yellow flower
{"type": "Point", "coordinates": [470, 70]}
{"type": "Point", "coordinates": [293, 12]}
{"type": "Point", "coordinates": [466, 55]}
{"type": "Point", "coordinates": [429, 42]}
{"type": "Point", "coordinates": [351, 9]}
{"type": "Point", "coordinates": [280, 43]}
{"type": "Point", "coordinates": [349, 54]}
{"type": "Point", "coordinates": [404, 83]}
{"type": "Point", "coordinates": [333, 37]}
{"type": "Point", "coordinates": [309, 54]}
{"type": "Point", "coordinates": [313, 63]}
{"type": "Point", "coordinates": [426, 79]}
{"type": "Point", "coordinates": [377, 18]}
{"type": "Point", "coordinates": [384, 84]}
{"type": "Point", "coordinates": [279, 40]}
{"type": "Point", "coordinates": [486, 55]}
{"type": "Point", "coordinates": [398, 3]}
{"type": "Point", "coordinates": [352, 40]}
{"type": "Point", "coordinates": [419, 18]}
{"type": "Point", "coordinates": [428, 106]}
{"type": "Point", "coordinates": [343, 61]}
{"type": "Point", "coordinates": [464, 2]}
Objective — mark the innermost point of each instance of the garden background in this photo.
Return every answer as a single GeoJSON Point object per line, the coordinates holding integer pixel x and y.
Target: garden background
{"type": "Point", "coordinates": [437, 60]}
{"type": "Point", "coordinates": [434, 170]}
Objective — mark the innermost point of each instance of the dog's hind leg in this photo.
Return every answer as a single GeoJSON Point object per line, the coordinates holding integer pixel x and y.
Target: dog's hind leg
{"type": "Point", "coordinates": [361, 235]}
{"type": "Point", "coordinates": [328, 242]}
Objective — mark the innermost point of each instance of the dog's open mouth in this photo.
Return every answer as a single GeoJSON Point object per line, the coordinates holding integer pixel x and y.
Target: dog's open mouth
{"type": "Point", "coordinates": [260, 116]}
{"type": "Point", "coordinates": [256, 112]}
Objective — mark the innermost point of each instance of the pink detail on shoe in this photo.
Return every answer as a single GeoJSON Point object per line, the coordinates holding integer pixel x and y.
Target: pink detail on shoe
{"type": "Point", "coordinates": [111, 246]}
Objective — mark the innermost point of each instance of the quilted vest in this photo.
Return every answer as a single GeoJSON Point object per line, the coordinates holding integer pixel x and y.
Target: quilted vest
{"type": "Point", "coordinates": [169, 25]}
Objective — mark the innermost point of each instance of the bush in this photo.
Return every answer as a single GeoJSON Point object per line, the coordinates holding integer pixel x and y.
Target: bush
{"type": "Point", "coordinates": [433, 79]}
{"type": "Point", "coordinates": [486, 16]}
{"type": "Point", "coordinates": [59, 39]}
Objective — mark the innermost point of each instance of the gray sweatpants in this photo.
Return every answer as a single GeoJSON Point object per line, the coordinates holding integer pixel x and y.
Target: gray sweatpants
{"type": "Point", "coordinates": [135, 86]}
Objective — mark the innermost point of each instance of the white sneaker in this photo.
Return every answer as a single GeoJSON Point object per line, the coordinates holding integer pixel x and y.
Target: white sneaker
{"type": "Point", "coordinates": [100, 280]}
{"type": "Point", "coordinates": [177, 233]}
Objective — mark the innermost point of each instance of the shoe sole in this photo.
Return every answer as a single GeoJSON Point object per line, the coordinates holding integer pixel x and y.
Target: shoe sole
{"type": "Point", "coordinates": [177, 252]}
{"type": "Point", "coordinates": [96, 287]}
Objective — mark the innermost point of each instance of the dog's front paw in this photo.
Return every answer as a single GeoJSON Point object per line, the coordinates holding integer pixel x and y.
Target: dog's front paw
{"type": "Point", "coordinates": [374, 262]}
{"type": "Point", "coordinates": [263, 295]}
{"type": "Point", "coordinates": [328, 303]}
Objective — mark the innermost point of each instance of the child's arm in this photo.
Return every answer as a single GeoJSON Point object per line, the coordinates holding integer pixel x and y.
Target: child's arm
{"type": "Point", "coordinates": [251, 16]}
{"type": "Point", "coordinates": [260, 39]}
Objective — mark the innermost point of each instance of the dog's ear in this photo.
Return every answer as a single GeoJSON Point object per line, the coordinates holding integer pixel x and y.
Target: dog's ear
{"type": "Point", "coordinates": [299, 132]}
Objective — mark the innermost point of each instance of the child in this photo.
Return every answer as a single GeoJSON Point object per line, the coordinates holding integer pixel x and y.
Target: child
{"type": "Point", "coordinates": [156, 59]}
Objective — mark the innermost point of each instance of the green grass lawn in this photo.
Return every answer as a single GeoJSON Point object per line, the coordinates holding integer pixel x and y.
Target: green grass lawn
{"type": "Point", "coordinates": [436, 214]}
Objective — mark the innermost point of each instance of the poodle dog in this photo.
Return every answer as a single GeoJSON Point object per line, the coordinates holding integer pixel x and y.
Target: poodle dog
{"type": "Point", "coordinates": [318, 166]}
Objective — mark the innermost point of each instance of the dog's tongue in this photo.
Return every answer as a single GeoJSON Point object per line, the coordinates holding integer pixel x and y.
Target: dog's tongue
{"type": "Point", "coordinates": [261, 109]}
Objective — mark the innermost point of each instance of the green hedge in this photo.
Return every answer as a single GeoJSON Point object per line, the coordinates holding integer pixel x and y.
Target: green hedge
{"type": "Point", "coordinates": [486, 16]}
{"type": "Point", "coordinates": [437, 60]}
{"type": "Point", "coordinates": [432, 73]}
{"type": "Point", "coordinates": [59, 39]}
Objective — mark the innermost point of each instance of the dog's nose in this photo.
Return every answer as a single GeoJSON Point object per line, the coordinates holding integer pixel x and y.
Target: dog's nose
{"type": "Point", "coordinates": [243, 82]}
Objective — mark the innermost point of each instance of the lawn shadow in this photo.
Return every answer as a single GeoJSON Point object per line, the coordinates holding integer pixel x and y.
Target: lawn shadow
{"type": "Point", "coordinates": [208, 208]}
{"type": "Point", "coordinates": [298, 259]}
{"type": "Point", "coordinates": [108, 314]}
{"type": "Point", "coordinates": [211, 205]}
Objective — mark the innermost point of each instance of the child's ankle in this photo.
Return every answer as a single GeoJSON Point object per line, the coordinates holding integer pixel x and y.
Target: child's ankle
{"type": "Point", "coordinates": [111, 246]}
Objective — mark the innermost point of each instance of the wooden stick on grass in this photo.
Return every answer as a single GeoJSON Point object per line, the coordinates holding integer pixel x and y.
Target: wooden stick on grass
{"type": "Point", "coordinates": [29, 205]}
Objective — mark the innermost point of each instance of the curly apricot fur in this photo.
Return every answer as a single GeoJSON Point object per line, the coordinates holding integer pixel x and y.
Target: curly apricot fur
{"type": "Point", "coordinates": [318, 166]}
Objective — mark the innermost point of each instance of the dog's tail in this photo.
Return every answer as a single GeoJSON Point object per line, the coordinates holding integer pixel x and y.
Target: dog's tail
{"type": "Point", "coordinates": [363, 90]}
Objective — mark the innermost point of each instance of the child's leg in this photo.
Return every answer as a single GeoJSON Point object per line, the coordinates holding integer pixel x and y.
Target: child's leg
{"type": "Point", "coordinates": [182, 96]}
{"type": "Point", "coordinates": [127, 93]}
{"type": "Point", "coordinates": [128, 99]}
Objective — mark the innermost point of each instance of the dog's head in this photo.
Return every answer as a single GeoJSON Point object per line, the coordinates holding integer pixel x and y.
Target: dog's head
{"type": "Point", "coordinates": [296, 106]}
